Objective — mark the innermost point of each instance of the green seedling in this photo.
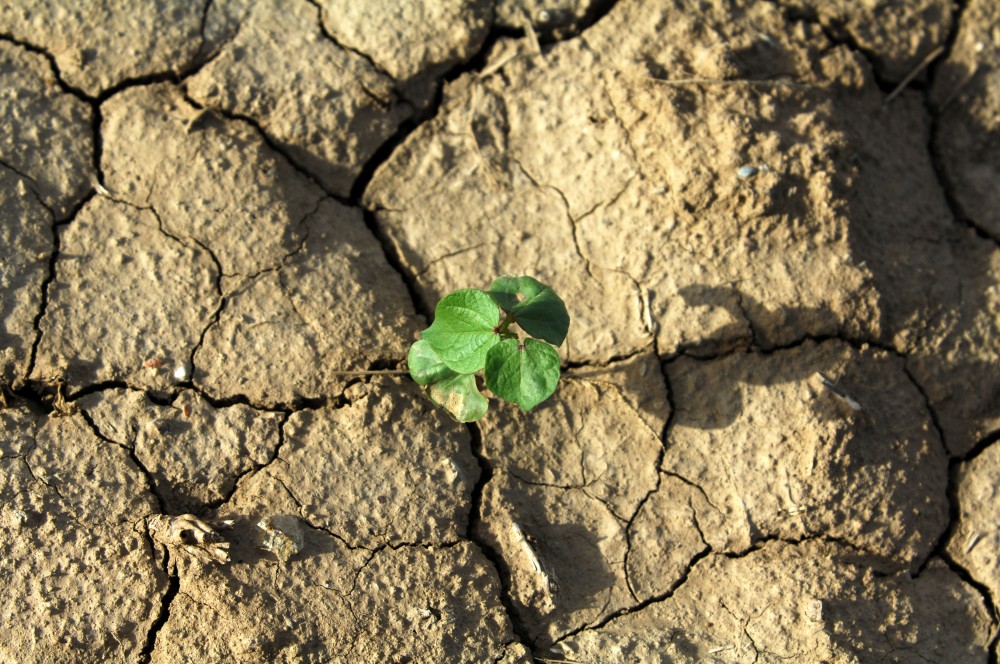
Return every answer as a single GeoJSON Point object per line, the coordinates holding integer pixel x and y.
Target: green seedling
{"type": "Point", "coordinates": [508, 332]}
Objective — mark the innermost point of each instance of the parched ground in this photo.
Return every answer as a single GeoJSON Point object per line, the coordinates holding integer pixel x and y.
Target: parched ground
{"type": "Point", "coordinates": [777, 228]}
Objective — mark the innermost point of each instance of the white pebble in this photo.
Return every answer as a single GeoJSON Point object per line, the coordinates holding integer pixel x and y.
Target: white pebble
{"type": "Point", "coordinates": [181, 373]}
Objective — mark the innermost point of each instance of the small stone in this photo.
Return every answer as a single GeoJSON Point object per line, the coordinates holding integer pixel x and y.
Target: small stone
{"type": "Point", "coordinates": [282, 536]}
{"type": "Point", "coordinates": [744, 172]}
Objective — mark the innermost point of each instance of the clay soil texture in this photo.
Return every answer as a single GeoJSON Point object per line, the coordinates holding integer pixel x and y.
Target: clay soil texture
{"type": "Point", "coordinates": [776, 225]}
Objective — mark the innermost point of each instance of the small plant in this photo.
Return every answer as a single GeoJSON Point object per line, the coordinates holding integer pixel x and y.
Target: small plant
{"type": "Point", "coordinates": [473, 331]}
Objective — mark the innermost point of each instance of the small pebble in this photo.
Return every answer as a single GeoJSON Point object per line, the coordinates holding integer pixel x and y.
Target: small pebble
{"type": "Point", "coordinates": [744, 172]}
{"type": "Point", "coordinates": [181, 373]}
{"type": "Point", "coordinates": [282, 536]}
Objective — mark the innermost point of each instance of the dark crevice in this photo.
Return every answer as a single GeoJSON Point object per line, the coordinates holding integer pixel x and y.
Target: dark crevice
{"type": "Point", "coordinates": [947, 186]}
{"type": "Point", "coordinates": [385, 151]}
{"type": "Point", "coordinates": [940, 549]}
{"type": "Point", "coordinates": [421, 306]}
{"type": "Point", "coordinates": [364, 56]}
{"type": "Point", "coordinates": [951, 488]}
{"type": "Point", "coordinates": [10, 167]}
{"type": "Point", "coordinates": [598, 10]}
{"type": "Point", "coordinates": [930, 408]}
{"type": "Point", "coordinates": [949, 43]}
{"type": "Point", "coordinates": [299, 403]}
{"type": "Point", "coordinates": [49, 279]}
{"type": "Point", "coordinates": [96, 124]}
{"type": "Point", "coordinates": [668, 422]}
{"type": "Point", "coordinates": [606, 363]}
{"type": "Point", "coordinates": [838, 35]}
{"type": "Point", "coordinates": [60, 81]}
{"type": "Point", "coordinates": [937, 161]}
{"type": "Point", "coordinates": [93, 388]}
{"type": "Point", "coordinates": [761, 542]}
{"type": "Point", "coordinates": [173, 587]}
{"type": "Point", "coordinates": [271, 142]}
{"type": "Point", "coordinates": [631, 520]}
{"type": "Point", "coordinates": [860, 345]}
{"type": "Point", "coordinates": [486, 473]}
{"type": "Point", "coordinates": [253, 469]}
{"type": "Point", "coordinates": [674, 587]}
{"type": "Point", "coordinates": [204, 21]}
{"type": "Point", "coordinates": [985, 594]}
{"type": "Point", "coordinates": [150, 484]}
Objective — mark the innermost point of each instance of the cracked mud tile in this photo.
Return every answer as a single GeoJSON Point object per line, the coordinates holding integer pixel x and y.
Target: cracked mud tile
{"type": "Point", "coordinates": [81, 583]}
{"type": "Point", "coordinates": [975, 541]}
{"type": "Point", "coordinates": [26, 244]}
{"type": "Point", "coordinates": [955, 361]}
{"type": "Point", "coordinates": [567, 478]}
{"type": "Point", "coordinates": [194, 452]}
{"type": "Point", "coordinates": [210, 179]}
{"type": "Point", "coordinates": [126, 298]}
{"type": "Point", "coordinates": [445, 606]}
{"type": "Point", "coordinates": [806, 602]}
{"type": "Point", "coordinates": [802, 247]}
{"type": "Point", "coordinates": [966, 91]}
{"type": "Point", "coordinates": [459, 209]}
{"type": "Point", "coordinates": [707, 41]}
{"type": "Point", "coordinates": [695, 263]}
{"type": "Point", "coordinates": [414, 603]}
{"type": "Point", "coordinates": [334, 306]}
{"type": "Point", "coordinates": [897, 36]}
{"type": "Point", "coordinates": [99, 48]}
{"type": "Point", "coordinates": [414, 42]}
{"type": "Point", "coordinates": [666, 535]}
{"type": "Point", "coordinates": [781, 455]}
{"type": "Point", "coordinates": [588, 437]}
{"type": "Point", "coordinates": [47, 137]}
{"type": "Point", "coordinates": [638, 380]}
{"type": "Point", "coordinates": [564, 551]}
{"type": "Point", "coordinates": [328, 108]}
{"type": "Point", "coordinates": [385, 469]}
{"type": "Point", "coordinates": [252, 610]}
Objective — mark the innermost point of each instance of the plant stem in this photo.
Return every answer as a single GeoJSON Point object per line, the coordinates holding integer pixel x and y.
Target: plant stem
{"type": "Point", "coordinates": [508, 319]}
{"type": "Point", "coordinates": [374, 372]}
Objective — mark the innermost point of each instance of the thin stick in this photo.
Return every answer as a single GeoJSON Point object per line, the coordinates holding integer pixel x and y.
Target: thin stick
{"type": "Point", "coordinates": [913, 74]}
{"type": "Point", "coordinates": [377, 372]}
{"type": "Point", "coordinates": [722, 81]}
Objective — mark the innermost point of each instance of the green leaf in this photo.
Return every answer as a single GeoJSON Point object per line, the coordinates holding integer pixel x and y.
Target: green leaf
{"type": "Point", "coordinates": [464, 330]}
{"type": "Point", "coordinates": [523, 374]}
{"type": "Point", "coordinates": [535, 306]}
{"type": "Point", "coordinates": [425, 364]}
{"type": "Point", "coordinates": [460, 396]}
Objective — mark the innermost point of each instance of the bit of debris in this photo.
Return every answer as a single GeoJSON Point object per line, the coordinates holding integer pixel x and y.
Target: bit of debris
{"type": "Point", "coordinates": [745, 172]}
{"type": "Point", "coordinates": [828, 384]}
{"type": "Point", "coordinates": [547, 581]}
{"type": "Point", "coordinates": [972, 541]}
{"type": "Point", "coordinates": [190, 534]}
{"type": "Point", "coordinates": [282, 536]}
{"type": "Point", "coordinates": [181, 373]}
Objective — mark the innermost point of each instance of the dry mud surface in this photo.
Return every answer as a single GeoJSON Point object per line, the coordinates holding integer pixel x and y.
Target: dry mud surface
{"type": "Point", "coordinates": [776, 226]}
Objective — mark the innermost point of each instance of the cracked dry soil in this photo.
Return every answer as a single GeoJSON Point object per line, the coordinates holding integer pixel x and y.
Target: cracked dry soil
{"type": "Point", "coordinates": [776, 225]}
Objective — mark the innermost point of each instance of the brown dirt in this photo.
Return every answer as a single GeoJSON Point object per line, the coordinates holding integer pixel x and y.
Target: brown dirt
{"type": "Point", "coordinates": [222, 224]}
